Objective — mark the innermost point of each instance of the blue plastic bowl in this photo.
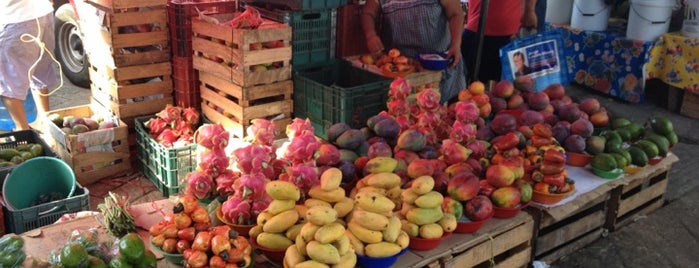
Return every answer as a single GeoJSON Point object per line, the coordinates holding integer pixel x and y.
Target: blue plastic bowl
{"type": "Point", "coordinates": [434, 64]}
{"type": "Point", "coordinates": [369, 262]}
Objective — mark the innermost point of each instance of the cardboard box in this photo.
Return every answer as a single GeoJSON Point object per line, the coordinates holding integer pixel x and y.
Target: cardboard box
{"type": "Point", "coordinates": [95, 154]}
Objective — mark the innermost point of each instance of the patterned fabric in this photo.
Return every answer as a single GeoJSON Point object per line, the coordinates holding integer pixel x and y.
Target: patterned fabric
{"type": "Point", "coordinates": [606, 61]}
{"type": "Point", "coordinates": [674, 59]}
{"type": "Point", "coordinates": [415, 26]}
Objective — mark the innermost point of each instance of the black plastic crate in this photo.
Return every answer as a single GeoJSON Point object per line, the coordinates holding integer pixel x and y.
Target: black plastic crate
{"type": "Point", "coordinates": [338, 92]}
{"type": "Point", "coordinates": [22, 220]}
{"type": "Point", "coordinates": [12, 139]}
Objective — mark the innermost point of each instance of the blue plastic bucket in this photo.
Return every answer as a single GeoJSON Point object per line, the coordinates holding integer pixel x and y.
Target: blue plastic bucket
{"type": "Point", "coordinates": [35, 177]}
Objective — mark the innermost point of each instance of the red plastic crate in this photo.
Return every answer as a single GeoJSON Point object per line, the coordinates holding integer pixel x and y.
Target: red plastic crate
{"type": "Point", "coordinates": [350, 36]}
{"type": "Point", "coordinates": [188, 98]}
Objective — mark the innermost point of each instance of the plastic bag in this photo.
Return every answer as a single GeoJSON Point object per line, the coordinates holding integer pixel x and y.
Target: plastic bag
{"type": "Point", "coordinates": [540, 56]}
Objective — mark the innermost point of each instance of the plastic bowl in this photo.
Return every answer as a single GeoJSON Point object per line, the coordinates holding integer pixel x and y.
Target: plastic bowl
{"type": "Point", "coordinates": [506, 213]}
{"type": "Point", "coordinates": [243, 230]}
{"type": "Point", "coordinates": [550, 199]}
{"type": "Point", "coordinates": [35, 177]}
{"type": "Point", "coordinates": [275, 255]}
{"type": "Point", "coordinates": [174, 258]}
{"type": "Point", "coordinates": [417, 243]}
{"type": "Point", "coordinates": [433, 61]}
{"type": "Point", "coordinates": [655, 160]}
{"type": "Point", "coordinates": [632, 169]}
{"type": "Point", "coordinates": [369, 262]}
{"type": "Point", "coordinates": [467, 227]}
{"type": "Point", "coordinates": [578, 159]}
{"type": "Point", "coordinates": [390, 74]}
{"type": "Point", "coordinates": [608, 174]}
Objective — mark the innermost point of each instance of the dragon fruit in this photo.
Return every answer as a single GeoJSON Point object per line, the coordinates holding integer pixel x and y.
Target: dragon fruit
{"type": "Point", "coordinates": [302, 148]}
{"type": "Point", "coordinates": [404, 122]}
{"type": "Point", "coordinates": [428, 99]}
{"type": "Point", "coordinates": [250, 186]}
{"type": "Point", "coordinates": [212, 136]}
{"type": "Point", "coordinates": [199, 184]}
{"type": "Point", "coordinates": [466, 111]}
{"type": "Point", "coordinates": [463, 133]}
{"type": "Point", "coordinates": [428, 119]}
{"type": "Point", "coordinates": [397, 107]}
{"type": "Point", "coordinates": [183, 128]}
{"type": "Point", "coordinates": [225, 181]}
{"type": "Point", "coordinates": [170, 113]}
{"type": "Point", "coordinates": [166, 137]}
{"type": "Point", "coordinates": [237, 210]}
{"type": "Point", "coordinates": [399, 89]}
{"type": "Point", "coordinates": [430, 135]}
{"type": "Point", "coordinates": [262, 131]}
{"type": "Point", "coordinates": [298, 127]}
{"type": "Point", "coordinates": [156, 125]}
{"type": "Point", "coordinates": [254, 158]}
{"type": "Point", "coordinates": [303, 175]}
{"type": "Point", "coordinates": [213, 162]}
{"type": "Point", "coordinates": [191, 116]}
{"type": "Point", "coordinates": [452, 152]}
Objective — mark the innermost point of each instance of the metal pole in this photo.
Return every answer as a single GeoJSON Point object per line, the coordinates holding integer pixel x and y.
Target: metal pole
{"type": "Point", "coordinates": [481, 33]}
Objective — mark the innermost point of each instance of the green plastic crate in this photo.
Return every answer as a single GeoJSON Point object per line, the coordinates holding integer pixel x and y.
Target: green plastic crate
{"type": "Point", "coordinates": [338, 92]}
{"type": "Point", "coordinates": [313, 34]}
{"type": "Point", "coordinates": [22, 220]}
{"type": "Point", "coordinates": [302, 4]}
{"type": "Point", "coordinates": [167, 168]}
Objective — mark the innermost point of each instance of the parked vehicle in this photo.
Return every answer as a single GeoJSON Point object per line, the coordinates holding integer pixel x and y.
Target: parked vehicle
{"type": "Point", "coordinates": [69, 44]}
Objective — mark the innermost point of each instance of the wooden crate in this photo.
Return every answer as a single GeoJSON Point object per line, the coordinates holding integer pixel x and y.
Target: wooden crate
{"type": "Point", "coordinates": [554, 239]}
{"type": "Point", "coordinates": [226, 52]}
{"type": "Point", "coordinates": [690, 105]}
{"type": "Point", "coordinates": [111, 38]}
{"type": "Point", "coordinates": [124, 4]}
{"type": "Point", "coordinates": [505, 241]}
{"type": "Point", "coordinates": [640, 196]}
{"type": "Point", "coordinates": [234, 106]}
{"type": "Point", "coordinates": [134, 90]}
{"type": "Point", "coordinates": [92, 155]}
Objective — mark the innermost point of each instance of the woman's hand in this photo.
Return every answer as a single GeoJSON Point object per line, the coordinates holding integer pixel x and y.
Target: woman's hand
{"type": "Point", "coordinates": [374, 44]}
{"type": "Point", "coordinates": [455, 54]}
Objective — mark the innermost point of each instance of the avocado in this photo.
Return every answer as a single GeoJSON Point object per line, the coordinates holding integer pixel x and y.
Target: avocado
{"type": "Point", "coordinates": [604, 161]}
{"type": "Point", "coordinates": [612, 145]}
{"type": "Point", "coordinates": [661, 125]}
{"type": "Point", "coordinates": [8, 154]}
{"type": "Point", "coordinates": [638, 156]}
{"type": "Point", "coordinates": [648, 147]}
{"type": "Point", "coordinates": [635, 129]}
{"type": "Point", "coordinates": [612, 135]}
{"type": "Point", "coordinates": [660, 141]}
{"type": "Point", "coordinates": [622, 152]}
{"type": "Point", "coordinates": [620, 122]}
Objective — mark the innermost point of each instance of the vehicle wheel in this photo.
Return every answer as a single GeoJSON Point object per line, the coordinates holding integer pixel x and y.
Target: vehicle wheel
{"type": "Point", "coordinates": [69, 47]}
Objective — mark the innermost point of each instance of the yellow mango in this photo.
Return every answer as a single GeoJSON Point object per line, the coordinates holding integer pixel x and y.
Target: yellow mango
{"type": "Point", "coordinates": [348, 260]}
{"type": "Point", "coordinates": [394, 193]}
{"type": "Point", "coordinates": [381, 249]}
{"type": "Point", "coordinates": [301, 245]}
{"type": "Point", "coordinates": [320, 215]}
{"type": "Point", "coordinates": [408, 196]}
{"type": "Point", "coordinates": [372, 189]}
{"type": "Point", "coordinates": [331, 196]}
{"type": "Point", "coordinates": [292, 256]}
{"type": "Point", "coordinates": [422, 185]}
{"type": "Point", "coordinates": [311, 264]}
{"type": "Point", "coordinates": [390, 234]}
{"type": "Point", "coordinates": [448, 222]}
{"type": "Point", "coordinates": [282, 190]}
{"type": "Point", "coordinates": [330, 179]}
{"type": "Point", "coordinates": [312, 202]}
{"type": "Point", "coordinates": [344, 207]}
{"type": "Point", "coordinates": [273, 241]}
{"type": "Point", "coordinates": [329, 233]}
{"type": "Point", "coordinates": [430, 231]}
{"type": "Point", "coordinates": [431, 199]}
{"type": "Point", "coordinates": [278, 206]}
{"type": "Point", "coordinates": [422, 216]}
{"type": "Point", "coordinates": [403, 240]}
{"type": "Point", "coordinates": [410, 228]}
{"type": "Point", "coordinates": [381, 164]}
{"type": "Point", "coordinates": [364, 234]}
{"type": "Point", "coordinates": [293, 231]}
{"type": "Point", "coordinates": [323, 253]}
{"type": "Point", "coordinates": [308, 231]}
{"type": "Point", "coordinates": [357, 244]}
{"type": "Point", "coordinates": [255, 231]}
{"type": "Point", "coordinates": [343, 244]}
{"type": "Point", "coordinates": [370, 220]}
{"type": "Point", "coordinates": [374, 202]}
{"type": "Point", "coordinates": [281, 222]}
{"type": "Point", "coordinates": [384, 180]}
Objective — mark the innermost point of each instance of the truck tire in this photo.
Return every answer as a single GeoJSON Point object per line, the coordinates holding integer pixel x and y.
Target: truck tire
{"type": "Point", "coordinates": [69, 47]}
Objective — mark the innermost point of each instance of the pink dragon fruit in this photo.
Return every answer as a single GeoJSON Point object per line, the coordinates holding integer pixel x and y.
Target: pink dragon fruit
{"type": "Point", "coordinates": [466, 112]}
{"type": "Point", "coordinates": [302, 148]}
{"type": "Point", "coordinates": [478, 148]}
{"type": "Point", "coordinates": [404, 122]}
{"type": "Point", "coordinates": [170, 113]}
{"type": "Point", "coordinates": [250, 186]}
{"type": "Point", "coordinates": [260, 205]}
{"type": "Point", "coordinates": [191, 116]}
{"type": "Point", "coordinates": [167, 137]}
{"type": "Point", "coordinates": [428, 119]}
{"type": "Point", "coordinates": [213, 162]}
{"type": "Point", "coordinates": [183, 128]}
{"type": "Point", "coordinates": [463, 133]}
{"type": "Point", "coordinates": [237, 210]}
{"type": "Point", "coordinates": [254, 158]}
{"type": "Point", "coordinates": [430, 135]}
{"type": "Point", "coordinates": [212, 136]}
{"type": "Point", "coordinates": [298, 127]}
{"type": "Point", "coordinates": [303, 175]}
{"type": "Point", "coordinates": [199, 184]}
{"type": "Point", "coordinates": [262, 131]}
{"type": "Point", "coordinates": [428, 99]}
{"type": "Point", "coordinates": [156, 125]}
{"type": "Point", "coordinates": [397, 107]}
{"type": "Point", "coordinates": [225, 181]}
{"type": "Point", "coordinates": [280, 165]}
{"type": "Point", "coordinates": [399, 89]}
{"type": "Point", "coordinates": [452, 152]}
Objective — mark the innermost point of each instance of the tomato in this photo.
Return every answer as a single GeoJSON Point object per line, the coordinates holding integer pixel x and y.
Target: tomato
{"type": "Point", "coordinates": [170, 245]}
{"type": "Point", "coordinates": [132, 247]}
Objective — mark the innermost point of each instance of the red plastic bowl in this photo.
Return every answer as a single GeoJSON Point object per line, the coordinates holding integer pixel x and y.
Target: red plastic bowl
{"type": "Point", "coordinates": [655, 160]}
{"type": "Point", "coordinates": [417, 243]}
{"type": "Point", "coordinates": [506, 213]}
{"type": "Point", "coordinates": [275, 255]}
{"type": "Point", "coordinates": [549, 198]}
{"type": "Point", "coordinates": [243, 230]}
{"type": "Point", "coordinates": [467, 227]}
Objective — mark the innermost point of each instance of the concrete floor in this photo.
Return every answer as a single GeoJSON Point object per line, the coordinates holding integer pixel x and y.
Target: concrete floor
{"type": "Point", "coordinates": [669, 237]}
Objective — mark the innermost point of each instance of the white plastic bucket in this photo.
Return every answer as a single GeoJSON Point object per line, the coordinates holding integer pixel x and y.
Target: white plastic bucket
{"type": "Point", "coordinates": [648, 19]}
{"type": "Point", "coordinates": [559, 11]}
{"type": "Point", "coordinates": [690, 25]}
{"type": "Point", "coordinates": [590, 15]}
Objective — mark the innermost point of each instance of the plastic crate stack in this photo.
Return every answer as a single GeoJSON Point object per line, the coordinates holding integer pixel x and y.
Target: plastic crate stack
{"type": "Point", "coordinates": [350, 35]}
{"type": "Point", "coordinates": [185, 78]}
{"type": "Point", "coordinates": [244, 74]}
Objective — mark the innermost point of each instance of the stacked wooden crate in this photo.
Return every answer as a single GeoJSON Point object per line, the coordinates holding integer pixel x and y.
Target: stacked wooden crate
{"type": "Point", "coordinates": [244, 74]}
{"type": "Point", "coordinates": [128, 48]}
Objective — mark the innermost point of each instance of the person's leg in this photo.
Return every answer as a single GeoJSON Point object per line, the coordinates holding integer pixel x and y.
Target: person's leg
{"type": "Point", "coordinates": [15, 107]}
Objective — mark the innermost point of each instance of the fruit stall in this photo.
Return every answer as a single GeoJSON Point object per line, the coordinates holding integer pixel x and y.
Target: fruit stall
{"type": "Point", "coordinates": [344, 162]}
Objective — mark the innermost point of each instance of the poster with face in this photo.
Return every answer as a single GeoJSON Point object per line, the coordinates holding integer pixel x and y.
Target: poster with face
{"type": "Point", "coordinates": [539, 57]}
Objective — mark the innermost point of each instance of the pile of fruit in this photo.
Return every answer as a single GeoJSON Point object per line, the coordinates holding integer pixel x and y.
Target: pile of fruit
{"type": "Point", "coordinates": [20, 153]}
{"type": "Point", "coordinates": [392, 63]}
{"type": "Point", "coordinates": [173, 125]}
{"type": "Point", "coordinates": [75, 124]}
